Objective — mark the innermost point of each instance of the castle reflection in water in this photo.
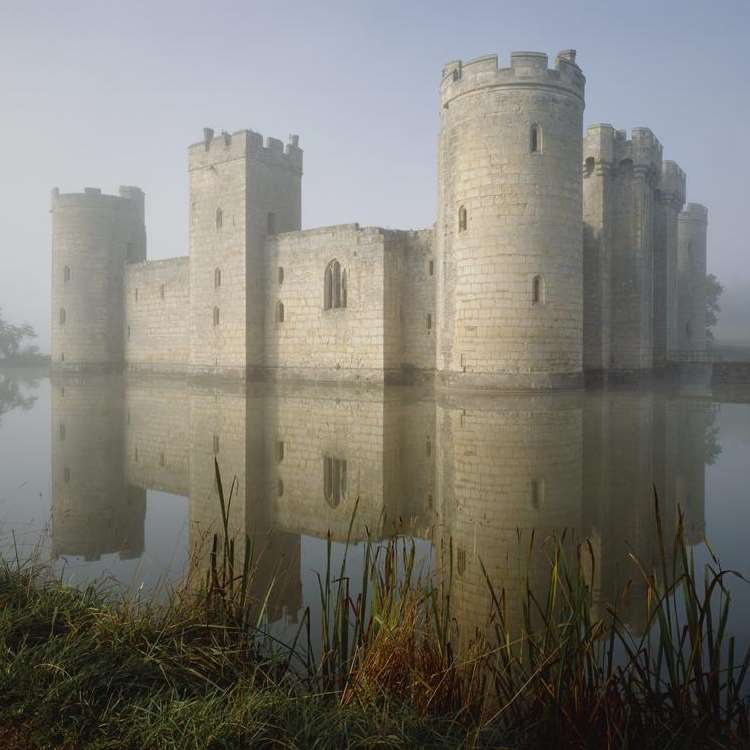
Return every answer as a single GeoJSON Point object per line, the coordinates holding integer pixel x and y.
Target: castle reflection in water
{"type": "Point", "coordinates": [482, 471]}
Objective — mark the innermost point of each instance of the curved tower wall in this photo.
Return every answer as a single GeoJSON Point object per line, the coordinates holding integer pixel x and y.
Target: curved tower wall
{"type": "Point", "coordinates": [93, 237]}
{"type": "Point", "coordinates": [691, 278]}
{"type": "Point", "coordinates": [522, 199]}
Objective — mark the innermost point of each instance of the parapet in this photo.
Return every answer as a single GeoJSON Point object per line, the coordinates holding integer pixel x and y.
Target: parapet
{"type": "Point", "coordinates": [695, 212]}
{"type": "Point", "coordinates": [245, 144]}
{"type": "Point", "coordinates": [129, 197]}
{"type": "Point", "coordinates": [672, 184]}
{"type": "Point", "coordinates": [611, 147]}
{"type": "Point", "coordinates": [526, 69]}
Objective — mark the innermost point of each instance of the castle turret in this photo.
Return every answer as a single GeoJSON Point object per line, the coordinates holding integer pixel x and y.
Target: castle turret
{"type": "Point", "coordinates": [691, 279]}
{"type": "Point", "coordinates": [242, 189]}
{"type": "Point", "coordinates": [509, 223]}
{"type": "Point", "coordinates": [670, 198]}
{"type": "Point", "coordinates": [620, 178]}
{"type": "Point", "coordinates": [93, 237]}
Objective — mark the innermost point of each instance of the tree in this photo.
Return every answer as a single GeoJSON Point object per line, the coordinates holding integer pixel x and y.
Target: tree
{"type": "Point", "coordinates": [12, 336]}
{"type": "Point", "coordinates": [713, 292]}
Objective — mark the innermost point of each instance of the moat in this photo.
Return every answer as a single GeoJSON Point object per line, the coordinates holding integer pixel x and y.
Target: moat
{"type": "Point", "coordinates": [109, 476]}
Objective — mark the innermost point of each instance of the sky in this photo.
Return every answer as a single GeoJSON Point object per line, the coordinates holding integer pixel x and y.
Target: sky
{"type": "Point", "coordinates": [105, 94]}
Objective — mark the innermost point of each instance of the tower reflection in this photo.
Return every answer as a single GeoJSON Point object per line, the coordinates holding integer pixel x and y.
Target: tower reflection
{"type": "Point", "coordinates": [484, 472]}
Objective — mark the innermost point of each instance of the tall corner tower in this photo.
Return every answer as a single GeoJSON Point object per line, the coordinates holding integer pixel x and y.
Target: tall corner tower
{"type": "Point", "coordinates": [670, 198]}
{"type": "Point", "coordinates": [691, 279]}
{"type": "Point", "coordinates": [509, 229]}
{"type": "Point", "coordinates": [93, 237]}
{"type": "Point", "coordinates": [242, 189]}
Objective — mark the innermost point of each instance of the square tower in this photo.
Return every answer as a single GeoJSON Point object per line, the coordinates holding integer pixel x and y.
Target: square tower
{"type": "Point", "coordinates": [242, 189]}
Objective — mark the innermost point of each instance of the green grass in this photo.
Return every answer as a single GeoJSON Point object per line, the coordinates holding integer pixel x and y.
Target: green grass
{"type": "Point", "coordinates": [86, 669]}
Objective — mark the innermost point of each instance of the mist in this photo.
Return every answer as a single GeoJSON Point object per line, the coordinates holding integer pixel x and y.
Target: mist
{"type": "Point", "coordinates": [104, 94]}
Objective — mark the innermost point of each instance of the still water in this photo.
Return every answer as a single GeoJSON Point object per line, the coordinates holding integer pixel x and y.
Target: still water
{"type": "Point", "coordinates": [109, 476]}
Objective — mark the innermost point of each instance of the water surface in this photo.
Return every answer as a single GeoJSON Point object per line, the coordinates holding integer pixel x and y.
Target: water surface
{"type": "Point", "coordinates": [114, 476]}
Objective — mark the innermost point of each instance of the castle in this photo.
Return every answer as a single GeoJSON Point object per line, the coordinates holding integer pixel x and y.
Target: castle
{"type": "Point", "coordinates": [555, 254]}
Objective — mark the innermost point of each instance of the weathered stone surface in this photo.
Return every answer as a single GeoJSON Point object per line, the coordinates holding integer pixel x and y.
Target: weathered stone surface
{"type": "Point", "coordinates": [532, 274]}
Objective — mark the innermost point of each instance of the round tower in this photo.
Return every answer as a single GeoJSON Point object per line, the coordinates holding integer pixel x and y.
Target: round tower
{"type": "Point", "coordinates": [691, 278]}
{"type": "Point", "coordinates": [93, 237]}
{"type": "Point", "coordinates": [509, 230]}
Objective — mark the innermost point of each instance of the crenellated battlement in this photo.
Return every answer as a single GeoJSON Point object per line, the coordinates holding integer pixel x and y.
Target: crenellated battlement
{"type": "Point", "coordinates": [695, 212]}
{"type": "Point", "coordinates": [611, 147]}
{"type": "Point", "coordinates": [129, 197]}
{"type": "Point", "coordinates": [673, 182]}
{"type": "Point", "coordinates": [214, 149]}
{"type": "Point", "coordinates": [526, 69]}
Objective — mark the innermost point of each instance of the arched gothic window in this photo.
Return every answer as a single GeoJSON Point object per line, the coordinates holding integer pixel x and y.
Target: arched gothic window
{"type": "Point", "coordinates": [279, 312]}
{"type": "Point", "coordinates": [334, 480]}
{"type": "Point", "coordinates": [462, 219]}
{"type": "Point", "coordinates": [535, 139]}
{"type": "Point", "coordinates": [537, 290]}
{"type": "Point", "coordinates": [334, 292]}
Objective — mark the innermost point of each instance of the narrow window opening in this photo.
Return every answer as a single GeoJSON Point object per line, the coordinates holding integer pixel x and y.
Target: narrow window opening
{"type": "Point", "coordinates": [66, 474]}
{"type": "Point", "coordinates": [161, 291]}
{"type": "Point", "coordinates": [537, 290]}
{"type": "Point", "coordinates": [161, 459]}
{"type": "Point", "coordinates": [689, 330]}
{"type": "Point", "coordinates": [63, 316]}
{"type": "Point", "coordinates": [280, 487]}
{"type": "Point", "coordinates": [62, 430]}
{"type": "Point", "coordinates": [271, 223]}
{"type": "Point", "coordinates": [432, 267]}
{"type": "Point", "coordinates": [217, 278]}
{"type": "Point", "coordinates": [279, 312]}
{"type": "Point", "coordinates": [535, 139]}
{"type": "Point", "coordinates": [217, 317]}
{"type": "Point", "coordinates": [428, 447]}
{"type": "Point", "coordinates": [462, 219]}
{"type": "Point", "coordinates": [334, 480]}
{"type": "Point", "coordinates": [589, 168]}
{"type": "Point", "coordinates": [135, 454]}
{"type": "Point", "coordinates": [216, 445]}
{"type": "Point", "coordinates": [281, 275]}
{"type": "Point", "coordinates": [460, 561]}
{"type": "Point", "coordinates": [429, 322]}
{"type": "Point", "coordinates": [66, 274]}
{"type": "Point", "coordinates": [334, 287]}
{"type": "Point", "coordinates": [279, 451]}
{"type": "Point", "coordinates": [219, 218]}
{"type": "Point", "coordinates": [537, 493]}
{"type": "Point", "coordinates": [62, 357]}
{"type": "Point", "coordinates": [128, 331]}
{"type": "Point", "coordinates": [136, 294]}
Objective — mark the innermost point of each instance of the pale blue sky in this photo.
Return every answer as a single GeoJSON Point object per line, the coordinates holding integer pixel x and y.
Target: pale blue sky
{"type": "Point", "coordinates": [103, 94]}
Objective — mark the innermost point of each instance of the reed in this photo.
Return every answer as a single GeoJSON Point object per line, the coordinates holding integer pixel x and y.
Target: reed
{"type": "Point", "coordinates": [86, 669]}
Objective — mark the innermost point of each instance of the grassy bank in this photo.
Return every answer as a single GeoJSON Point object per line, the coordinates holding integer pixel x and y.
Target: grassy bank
{"type": "Point", "coordinates": [82, 669]}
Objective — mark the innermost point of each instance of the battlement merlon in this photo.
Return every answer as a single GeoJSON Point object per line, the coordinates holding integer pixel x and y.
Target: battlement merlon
{"type": "Point", "coordinates": [130, 198]}
{"type": "Point", "coordinates": [695, 212]}
{"type": "Point", "coordinates": [607, 145]}
{"type": "Point", "coordinates": [215, 149]}
{"type": "Point", "coordinates": [672, 183]}
{"type": "Point", "coordinates": [526, 69]}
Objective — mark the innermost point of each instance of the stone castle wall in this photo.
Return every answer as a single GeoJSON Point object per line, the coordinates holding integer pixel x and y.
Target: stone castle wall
{"type": "Point", "coordinates": [94, 236]}
{"type": "Point", "coordinates": [533, 274]}
{"type": "Point", "coordinates": [157, 314]}
{"type": "Point", "coordinates": [509, 222]}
